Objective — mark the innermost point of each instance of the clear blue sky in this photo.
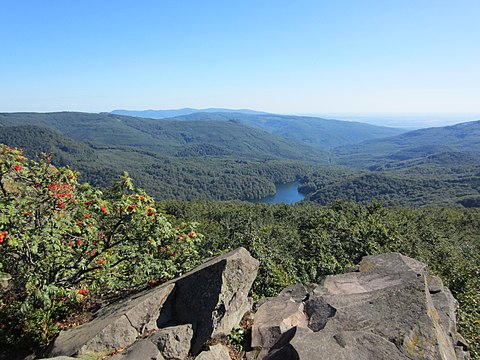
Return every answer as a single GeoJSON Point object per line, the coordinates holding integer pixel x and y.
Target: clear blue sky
{"type": "Point", "coordinates": [284, 56]}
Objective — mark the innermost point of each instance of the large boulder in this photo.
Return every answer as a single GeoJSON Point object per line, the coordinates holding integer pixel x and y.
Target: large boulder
{"type": "Point", "coordinates": [210, 300]}
{"type": "Point", "coordinates": [391, 308]}
{"type": "Point", "coordinates": [213, 297]}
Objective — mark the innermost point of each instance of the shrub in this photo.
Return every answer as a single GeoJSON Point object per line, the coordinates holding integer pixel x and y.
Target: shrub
{"type": "Point", "coordinates": [61, 242]}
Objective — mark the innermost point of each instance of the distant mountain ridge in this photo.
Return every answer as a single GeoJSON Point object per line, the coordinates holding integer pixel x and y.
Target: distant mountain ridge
{"type": "Point", "coordinates": [162, 114]}
{"type": "Point", "coordinates": [321, 133]}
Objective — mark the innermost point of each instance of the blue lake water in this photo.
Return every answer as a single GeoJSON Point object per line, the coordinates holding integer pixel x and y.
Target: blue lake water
{"type": "Point", "coordinates": [286, 194]}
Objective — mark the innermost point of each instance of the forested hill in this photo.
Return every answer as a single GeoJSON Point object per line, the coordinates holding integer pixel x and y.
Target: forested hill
{"type": "Point", "coordinates": [318, 132]}
{"type": "Point", "coordinates": [424, 143]}
{"type": "Point", "coordinates": [173, 138]}
{"type": "Point", "coordinates": [430, 166]}
{"type": "Point", "coordinates": [224, 159]}
{"type": "Point", "coordinates": [37, 139]}
{"type": "Point", "coordinates": [205, 161]}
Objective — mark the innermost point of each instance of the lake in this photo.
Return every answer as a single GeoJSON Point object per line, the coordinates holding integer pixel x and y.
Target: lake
{"type": "Point", "coordinates": [286, 194]}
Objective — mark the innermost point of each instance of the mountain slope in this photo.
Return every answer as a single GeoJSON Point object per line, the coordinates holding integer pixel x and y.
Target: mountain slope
{"type": "Point", "coordinates": [227, 137]}
{"type": "Point", "coordinates": [37, 139]}
{"type": "Point", "coordinates": [318, 132]}
{"type": "Point", "coordinates": [418, 144]}
{"type": "Point", "coordinates": [173, 159]}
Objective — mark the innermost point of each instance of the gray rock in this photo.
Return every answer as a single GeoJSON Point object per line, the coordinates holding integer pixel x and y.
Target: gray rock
{"type": "Point", "coordinates": [141, 350]}
{"type": "Point", "coordinates": [114, 327]}
{"type": "Point", "coordinates": [390, 309]}
{"type": "Point", "coordinates": [213, 297]}
{"type": "Point", "coordinates": [173, 342]}
{"type": "Point", "coordinates": [215, 352]}
{"type": "Point", "coordinates": [318, 312]}
{"type": "Point", "coordinates": [461, 348]}
{"type": "Point", "coordinates": [62, 358]}
{"type": "Point", "coordinates": [272, 319]}
{"type": "Point", "coordinates": [296, 292]}
{"type": "Point", "coordinates": [445, 304]}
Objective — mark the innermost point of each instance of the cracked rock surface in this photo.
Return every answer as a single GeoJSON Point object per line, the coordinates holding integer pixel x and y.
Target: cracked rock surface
{"type": "Point", "coordinates": [391, 308]}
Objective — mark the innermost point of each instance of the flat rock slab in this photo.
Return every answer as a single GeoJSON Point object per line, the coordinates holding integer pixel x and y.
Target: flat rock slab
{"type": "Point", "coordinates": [356, 345]}
{"type": "Point", "coordinates": [114, 327]}
{"type": "Point", "coordinates": [389, 297]}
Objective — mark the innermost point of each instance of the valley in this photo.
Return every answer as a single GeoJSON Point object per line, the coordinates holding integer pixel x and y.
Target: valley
{"type": "Point", "coordinates": [235, 155]}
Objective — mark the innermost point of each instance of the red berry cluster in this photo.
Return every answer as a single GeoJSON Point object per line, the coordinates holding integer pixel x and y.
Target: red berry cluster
{"type": "Point", "coordinates": [60, 190]}
{"type": "Point", "coordinates": [3, 235]}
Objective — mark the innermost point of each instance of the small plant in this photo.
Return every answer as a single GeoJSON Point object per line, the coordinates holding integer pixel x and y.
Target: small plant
{"type": "Point", "coordinates": [236, 338]}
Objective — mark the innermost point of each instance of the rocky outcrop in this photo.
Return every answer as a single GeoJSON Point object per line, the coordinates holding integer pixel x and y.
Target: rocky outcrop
{"type": "Point", "coordinates": [213, 297]}
{"type": "Point", "coordinates": [207, 302]}
{"type": "Point", "coordinates": [389, 307]}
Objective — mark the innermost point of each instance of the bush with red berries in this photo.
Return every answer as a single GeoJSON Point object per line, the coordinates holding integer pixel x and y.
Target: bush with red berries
{"type": "Point", "coordinates": [61, 242]}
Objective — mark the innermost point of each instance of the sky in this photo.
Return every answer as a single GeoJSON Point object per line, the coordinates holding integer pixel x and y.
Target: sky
{"type": "Point", "coordinates": [297, 57]}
